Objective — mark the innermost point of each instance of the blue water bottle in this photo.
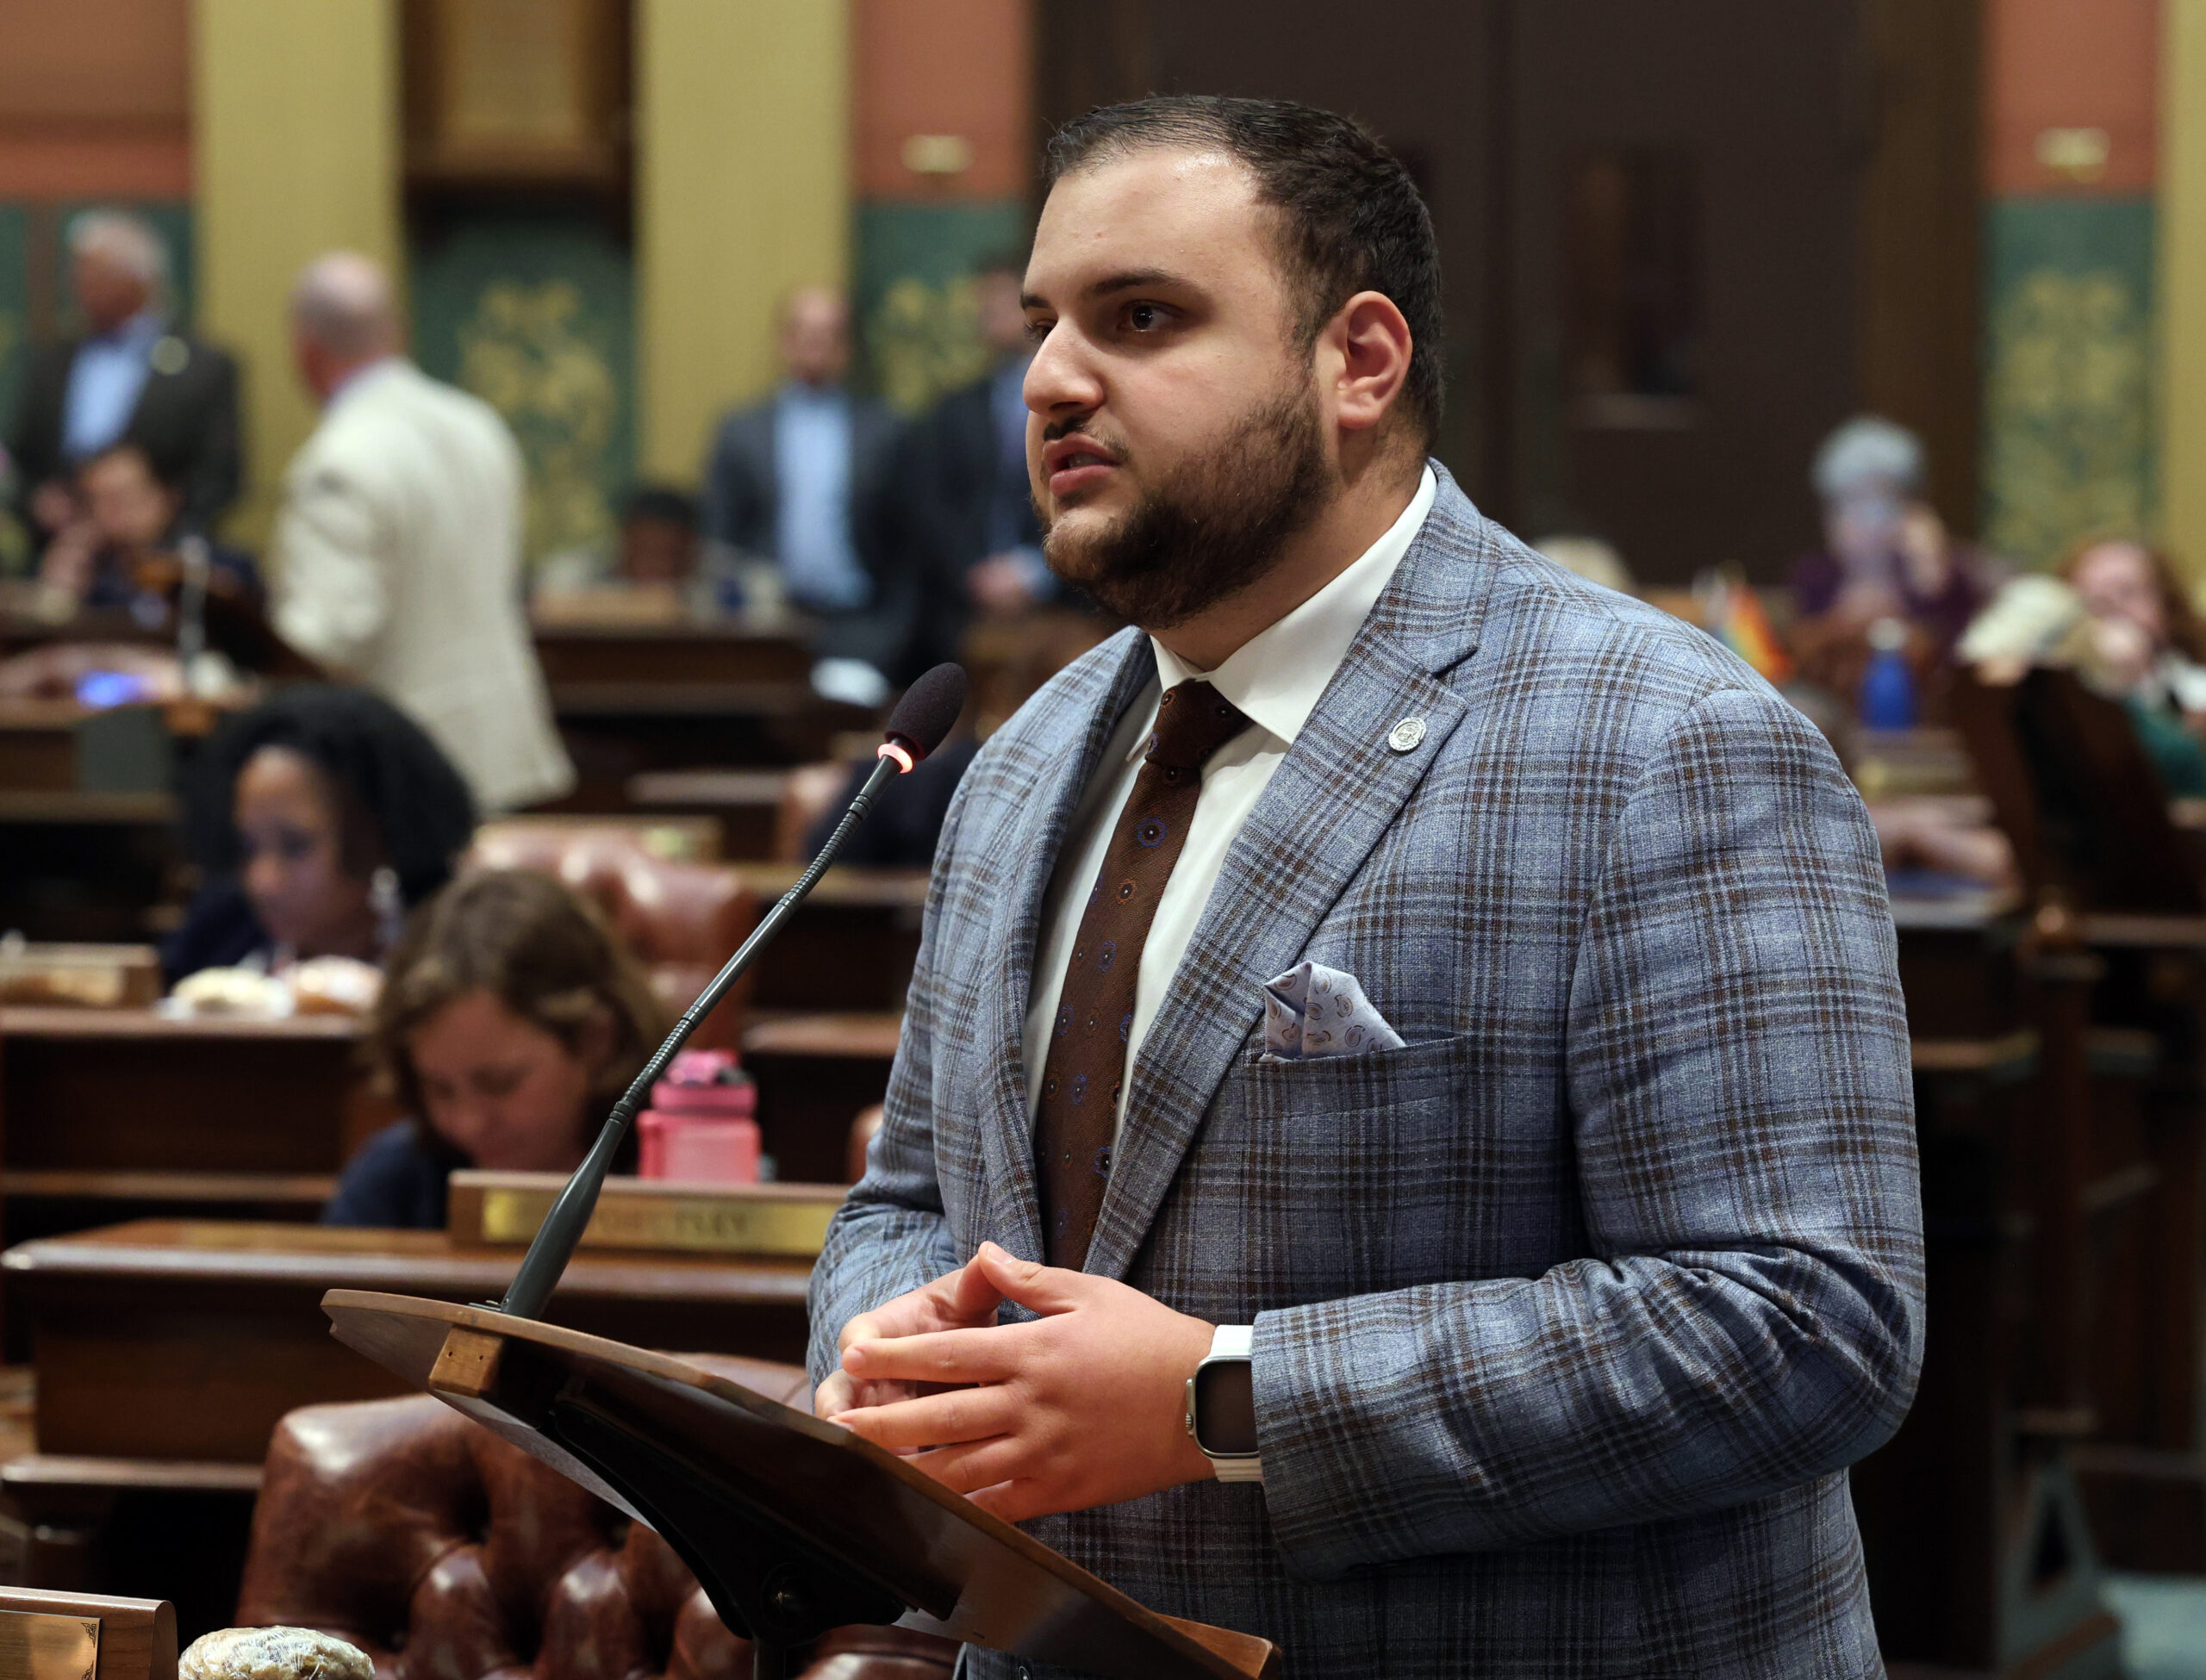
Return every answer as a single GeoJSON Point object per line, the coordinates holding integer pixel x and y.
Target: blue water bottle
{"type": "Point", "coordinates": [1887, 698]}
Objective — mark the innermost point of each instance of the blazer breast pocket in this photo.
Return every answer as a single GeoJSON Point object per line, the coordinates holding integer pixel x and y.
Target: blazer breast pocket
{"type": "Point", "coordinates": [1393, 1168]}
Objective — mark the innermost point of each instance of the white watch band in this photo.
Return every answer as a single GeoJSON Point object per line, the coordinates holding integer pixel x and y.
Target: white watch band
{"type": "Point", "coordinates": [1235, 1341]}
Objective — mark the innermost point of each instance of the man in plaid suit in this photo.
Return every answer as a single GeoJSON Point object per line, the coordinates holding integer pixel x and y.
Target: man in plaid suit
{"type": "Point", "coordinates": [1552, 1323]}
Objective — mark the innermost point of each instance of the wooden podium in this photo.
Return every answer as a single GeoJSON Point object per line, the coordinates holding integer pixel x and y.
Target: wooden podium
{"type": "Point", "coordinates": [791, 1525]}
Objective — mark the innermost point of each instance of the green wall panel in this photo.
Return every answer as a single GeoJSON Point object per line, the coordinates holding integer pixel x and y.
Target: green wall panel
{"type": "Point", "coordinates": [536, 315]}
{"type": "Point", "coordinates": [914, 292]}
{"type": "Point", "coordinates": [2068, 400]}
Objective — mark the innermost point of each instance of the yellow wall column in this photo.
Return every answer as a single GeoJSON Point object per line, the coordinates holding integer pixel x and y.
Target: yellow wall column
{"type": "Point", "coordinates": [294, 151]}
{"type": "Point", "coordinates": [742, 192]}
{"type": "Point", "coordinates": [2181, 237]}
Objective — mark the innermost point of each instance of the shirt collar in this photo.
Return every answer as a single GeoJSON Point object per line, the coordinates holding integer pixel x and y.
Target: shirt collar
{"type": "Point", "coordinates": [137, 332]}
{"type": "Point", "coordinates": [363, 375]}
{"type": "Point", "coordinates": [1278, 674]}
{"type": "Point", "coordinates": [797, 393]}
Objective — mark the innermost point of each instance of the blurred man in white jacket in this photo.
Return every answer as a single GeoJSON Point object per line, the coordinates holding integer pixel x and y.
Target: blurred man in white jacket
{"type": "Point", "coordinates": [398, 549]}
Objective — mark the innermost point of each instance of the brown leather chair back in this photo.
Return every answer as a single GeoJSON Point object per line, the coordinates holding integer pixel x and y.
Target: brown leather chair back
{"type": "Point", "coordinates": [447, 1555]}
{"type": "Point", "coordinates": [683, 920]}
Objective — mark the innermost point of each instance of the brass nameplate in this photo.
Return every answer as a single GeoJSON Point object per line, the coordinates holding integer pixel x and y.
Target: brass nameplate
{"type": "Point", "coordinates": [41, 1646]}
{"type": "Point", "coordinates": [703, 1224]}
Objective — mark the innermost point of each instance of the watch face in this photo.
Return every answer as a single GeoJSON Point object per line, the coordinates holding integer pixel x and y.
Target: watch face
{"type": "Point", "coordinates": [1224, 1408]}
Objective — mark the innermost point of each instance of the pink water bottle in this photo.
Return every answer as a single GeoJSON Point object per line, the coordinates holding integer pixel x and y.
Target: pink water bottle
{"type": "Point", "coordinates": [702, 1125]}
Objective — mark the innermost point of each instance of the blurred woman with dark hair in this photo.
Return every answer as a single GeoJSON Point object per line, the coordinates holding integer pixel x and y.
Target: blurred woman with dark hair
{"type": "Point", "coordinates": [317, 819]}
{"type": "Point", "coordinates": [511, 1019]}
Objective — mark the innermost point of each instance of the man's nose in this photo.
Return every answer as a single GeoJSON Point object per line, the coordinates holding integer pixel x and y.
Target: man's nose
{"type": "Point", "coordinates": [1062, 379]}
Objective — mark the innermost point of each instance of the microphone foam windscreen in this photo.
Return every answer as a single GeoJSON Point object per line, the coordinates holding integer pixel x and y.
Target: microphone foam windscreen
{"type": "Point", "coordinates": [929, 710]}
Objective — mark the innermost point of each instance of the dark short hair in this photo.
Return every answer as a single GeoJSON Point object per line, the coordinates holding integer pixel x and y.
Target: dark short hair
{"type": "Point", "coordinates": [660, 503]}
{"type": "Point", "coordinates": [1353, 219]}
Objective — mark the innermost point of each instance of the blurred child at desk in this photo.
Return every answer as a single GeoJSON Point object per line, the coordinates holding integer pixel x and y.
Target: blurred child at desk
{"type": "Point", "coordinates": [511, 1019]}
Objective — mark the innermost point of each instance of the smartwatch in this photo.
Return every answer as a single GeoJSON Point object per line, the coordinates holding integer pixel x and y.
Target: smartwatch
{"type": "Point", "coordinates": [1221, 1412]}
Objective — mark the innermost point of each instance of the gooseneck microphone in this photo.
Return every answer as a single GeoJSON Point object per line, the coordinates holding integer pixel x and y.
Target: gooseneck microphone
{"type": "Point", "coordinates": [916, 728]}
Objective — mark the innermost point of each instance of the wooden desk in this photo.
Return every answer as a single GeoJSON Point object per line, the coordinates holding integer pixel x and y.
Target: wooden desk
{"type": "Point", "coordinates": [630, 699]}
{"type": "Point", "coordinates": [104, 1111]}
{"type": "Point", "coordinates": [186, 1340]}
{"type": "Point", "coordinates": [166, 1351]}
{"type": "Point", "coordinates": [747, 804]}
{"type": "Point", "coordinates": [815, 1073]}
{"type": "Point", "coordinates": [655, 655]}
{"type": "Point", "coordinates": [1952, 1506]}
{"type": "Point", "coordinates": [852, 945]}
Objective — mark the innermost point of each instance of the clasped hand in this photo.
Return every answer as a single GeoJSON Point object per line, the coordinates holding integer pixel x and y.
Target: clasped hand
{"type": "Point", "coordinates": [1082, 1406]}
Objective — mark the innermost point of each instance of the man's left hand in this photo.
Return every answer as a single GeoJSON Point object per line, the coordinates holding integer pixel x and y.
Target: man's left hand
{"type": "Point", "coordinates": [1082, 1406]}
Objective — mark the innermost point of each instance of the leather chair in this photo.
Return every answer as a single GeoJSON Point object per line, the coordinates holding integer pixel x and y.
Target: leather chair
{"type": "Point", "coordinates": [682, 920]}
{"type": "Point", "coordinates": [447, 1555]}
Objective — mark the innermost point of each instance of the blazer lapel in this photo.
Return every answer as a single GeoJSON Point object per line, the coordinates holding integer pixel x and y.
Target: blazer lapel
{"type": "Point", "coordinates": [1331, 800]}
{"type": "Point", "coordinates": [1006, 1128]}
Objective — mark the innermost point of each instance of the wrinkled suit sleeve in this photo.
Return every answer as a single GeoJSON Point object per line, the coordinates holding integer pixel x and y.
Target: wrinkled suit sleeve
{"type": "Point", "coordinates": [334, 545]}
{"type": "Point", "coordinates": [1740, 1100]}
{"type": "Point", "coordinates": [889, 1235]}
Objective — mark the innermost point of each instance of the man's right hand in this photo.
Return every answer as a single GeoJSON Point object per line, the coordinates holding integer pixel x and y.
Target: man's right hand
{"type": "Point", "coordinates": [959, 1300]}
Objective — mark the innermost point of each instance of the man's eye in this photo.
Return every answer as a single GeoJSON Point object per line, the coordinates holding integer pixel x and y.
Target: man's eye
{"type": "Point", "coordinates": [1143, 317]}
{"type": "Point", "coordinates": [1037, 331]}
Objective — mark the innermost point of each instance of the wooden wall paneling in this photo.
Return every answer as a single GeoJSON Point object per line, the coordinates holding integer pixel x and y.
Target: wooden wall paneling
{"type": "Point", "coordinates": [1922, 185]}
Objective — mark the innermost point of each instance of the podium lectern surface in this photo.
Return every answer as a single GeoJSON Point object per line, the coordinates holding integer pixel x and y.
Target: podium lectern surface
{"type": "Point", "coordinates": [791, 1525]}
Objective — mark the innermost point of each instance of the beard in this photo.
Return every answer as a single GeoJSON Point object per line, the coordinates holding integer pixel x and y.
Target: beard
{"type": "Point", "coordinates": [1211, 528]}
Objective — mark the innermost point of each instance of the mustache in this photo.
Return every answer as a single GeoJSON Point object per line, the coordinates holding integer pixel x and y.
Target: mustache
{"type": "Point", "coordinates": [1078, 426]}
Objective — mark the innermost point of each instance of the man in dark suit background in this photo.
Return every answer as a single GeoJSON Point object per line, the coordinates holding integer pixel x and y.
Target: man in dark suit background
{"type": "Point", "coordinates": [975, 544]}
{"type": "Point", "coordinates": [803, 479]}
{"type": "Point", "coordinates": [132, 378]}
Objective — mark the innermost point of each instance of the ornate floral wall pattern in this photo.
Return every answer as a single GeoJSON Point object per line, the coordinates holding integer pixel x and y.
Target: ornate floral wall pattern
{"type": "Point", "coordinates": [535, 315]}
{"type": "Point", "coordinates": [528, 351]}
{"type": "Point", "coordinates": [2068, 409]}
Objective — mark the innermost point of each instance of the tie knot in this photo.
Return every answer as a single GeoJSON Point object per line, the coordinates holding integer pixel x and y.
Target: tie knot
{"type": "Point", "coordinates": [1193, 720]}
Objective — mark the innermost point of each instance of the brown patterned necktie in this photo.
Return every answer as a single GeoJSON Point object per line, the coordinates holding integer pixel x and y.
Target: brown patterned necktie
{"type": "Point", "coordinates": [1087, 1062]}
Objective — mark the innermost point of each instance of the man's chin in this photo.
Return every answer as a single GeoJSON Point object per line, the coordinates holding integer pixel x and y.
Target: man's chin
{"type": "Point", "coordinates": [1079, 537]}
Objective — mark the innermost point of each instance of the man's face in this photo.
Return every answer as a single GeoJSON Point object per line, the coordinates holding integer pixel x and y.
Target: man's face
{"type": "Point", "coordinates": [1176, 436]}
{"type": "Point", "coordinates": [106, 293]}
{"type": "Point", "coordinates": [816, 338]}
{"type": "Point", "coordinates": [655, 550]}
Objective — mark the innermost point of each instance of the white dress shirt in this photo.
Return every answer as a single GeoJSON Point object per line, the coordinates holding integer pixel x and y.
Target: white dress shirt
{"type": "Point", "coordinates": [1277, 677]}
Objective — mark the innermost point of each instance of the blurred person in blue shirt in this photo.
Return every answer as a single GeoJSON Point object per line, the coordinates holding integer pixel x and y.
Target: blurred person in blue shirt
{"type": "Point", "coordinates": [132, 378]}
{"type": "Point", "coordinates": [801, 479]}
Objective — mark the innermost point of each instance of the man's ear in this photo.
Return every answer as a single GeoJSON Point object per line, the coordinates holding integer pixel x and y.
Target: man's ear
{"type": "Point", "coordinates": [1372, 342]}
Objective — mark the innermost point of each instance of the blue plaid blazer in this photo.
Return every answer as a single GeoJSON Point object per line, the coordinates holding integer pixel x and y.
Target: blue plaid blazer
{"type": "Point", "coordinates": [1569, 1315]}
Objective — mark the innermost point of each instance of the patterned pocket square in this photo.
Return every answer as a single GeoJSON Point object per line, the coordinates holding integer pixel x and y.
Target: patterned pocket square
{"type": "Point", "coordinates": [1311, 1010]}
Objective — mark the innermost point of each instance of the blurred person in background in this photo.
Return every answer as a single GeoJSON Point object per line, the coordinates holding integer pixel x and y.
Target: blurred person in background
{"type": "Point", "coordinates": [316, 820]}
{"type": "Point", "coordinates": [133, 376]}
{"type": "Point", "coordinates": [1590, 558]}
{"type": "Point", "coordinates": [511, 1020]}
{"type": "Point", "coordinates": [1886, 555]}
{"type": "Point", "coordinates": [121, 549]}
{"type": "Point", "coordinates": [977, 543]}
{"type": "Point", "coordinates": [803, 479]}
{"type": "Point", "coordinates": [659, 549]}
{"type": "Point", "coordinates": [2116, 612]}
{"type": "Point", "coordinates": [397, 552]}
